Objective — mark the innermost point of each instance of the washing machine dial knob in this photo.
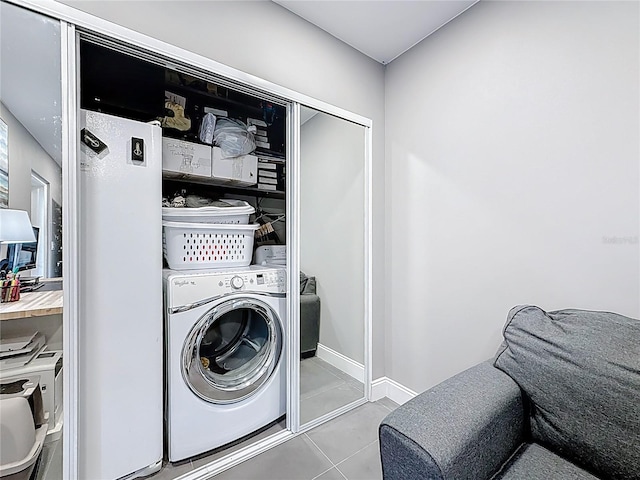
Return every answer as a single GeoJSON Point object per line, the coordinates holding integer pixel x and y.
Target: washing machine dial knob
{"type": "Point", "coordinates": [237, 282]}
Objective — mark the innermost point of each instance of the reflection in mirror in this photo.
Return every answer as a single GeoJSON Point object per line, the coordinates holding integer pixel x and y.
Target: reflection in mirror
{"type": "Point", "coordinates": [332, 236]}
{"type": "Point", "coordinates": [30, 97]}
{"type": "Point", "coordinates": [30, 107]}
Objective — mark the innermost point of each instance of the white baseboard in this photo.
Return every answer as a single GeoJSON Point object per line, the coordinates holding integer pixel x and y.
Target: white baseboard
{"type": "Point", "coordinates": [341, 362]}
{"type": "Point", "coordinates": [380, 388]}
{"type": "Point", "coordinates": [385, 387]}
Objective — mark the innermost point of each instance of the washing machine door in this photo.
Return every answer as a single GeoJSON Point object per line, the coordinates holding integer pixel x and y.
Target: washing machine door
{"type": "Point", "coordinates": [232, 350]}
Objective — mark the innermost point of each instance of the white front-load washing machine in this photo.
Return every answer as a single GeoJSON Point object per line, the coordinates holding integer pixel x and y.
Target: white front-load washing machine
{"type": "Point", "coordinates": [224, 345]}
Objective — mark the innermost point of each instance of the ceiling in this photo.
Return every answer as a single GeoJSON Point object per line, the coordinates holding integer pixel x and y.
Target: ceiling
{"type": "Point", "coordinates": [381, 29]}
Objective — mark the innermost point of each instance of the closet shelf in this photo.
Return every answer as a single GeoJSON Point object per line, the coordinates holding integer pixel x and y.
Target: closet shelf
{"type": "Point", "coordinates": [176, 182]}
{"type": "Point", "coordinates": [215, 98]}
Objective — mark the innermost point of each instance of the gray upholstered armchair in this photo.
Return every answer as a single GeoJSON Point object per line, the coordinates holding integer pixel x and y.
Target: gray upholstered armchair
{"type": "Point", "coordinates": [309, 316]}
{"type": "Point", "coordinates": [561, 400]}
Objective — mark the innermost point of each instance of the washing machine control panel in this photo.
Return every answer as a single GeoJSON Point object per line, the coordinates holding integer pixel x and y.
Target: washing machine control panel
{"type": "Point", "coordinates": [273, 282]}
{"type": "Point", "coordinates": [271, 279]}
{"type": "Point", "coordinates": [237, 282]}
{"type": "Point", "coordinates": [188, 289]}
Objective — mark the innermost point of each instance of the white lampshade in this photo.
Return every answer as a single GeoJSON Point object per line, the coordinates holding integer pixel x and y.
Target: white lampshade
{"type": "Point", "coordinates": [15, 227]}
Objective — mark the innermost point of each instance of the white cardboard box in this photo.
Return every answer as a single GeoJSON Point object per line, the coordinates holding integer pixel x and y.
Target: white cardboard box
{"type": "Point", "coordinates": [271, 181]}
{"type": "Point", "coordinates": [241, 170]}
{"type": "Point", "coordinates": [186, 158]}
{"type": "Point", "coordinates": [266, 173]}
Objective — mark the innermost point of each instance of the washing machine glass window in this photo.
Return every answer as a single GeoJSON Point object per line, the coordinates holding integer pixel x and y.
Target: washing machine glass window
{"type": "Point", "coordinates": [232, 350]}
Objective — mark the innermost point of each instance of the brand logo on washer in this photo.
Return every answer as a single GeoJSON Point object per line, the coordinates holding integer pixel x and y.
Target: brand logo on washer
{"type": "Point", "coordinates": [182, 283]}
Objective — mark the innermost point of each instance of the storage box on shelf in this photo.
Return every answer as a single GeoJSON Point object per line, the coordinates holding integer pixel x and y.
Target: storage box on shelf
{"type": "Point", "coordinates": [271, 174]}
{"type": "Point", "coordinates": [186, 158]}
{"type": "Point", "coordinates": [242, 170]}
{"type": "Point", "coordinates": [190, 160]}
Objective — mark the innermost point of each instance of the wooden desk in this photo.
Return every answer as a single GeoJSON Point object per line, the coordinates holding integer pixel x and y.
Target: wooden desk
{"type": "Point", "coordinates": [32, 304]}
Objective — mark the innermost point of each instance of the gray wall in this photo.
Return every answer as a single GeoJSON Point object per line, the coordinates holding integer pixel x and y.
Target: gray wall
{"type": "Point", "coordinates": [270, 42]}
{"type": "Point", "coordinates": [25, 155]}
{"type": "Point", "coordinates": [332, 227]}
{"type": "Point", "coordinates": [512, 168]}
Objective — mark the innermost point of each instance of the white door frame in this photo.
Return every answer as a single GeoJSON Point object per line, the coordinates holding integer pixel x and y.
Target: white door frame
{"type": "Point", "coordinates": [70, 190]}
{"type": "Point", "coordinates": [42, 218]}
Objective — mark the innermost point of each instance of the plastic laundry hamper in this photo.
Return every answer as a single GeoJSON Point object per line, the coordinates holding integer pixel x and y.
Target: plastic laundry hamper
{"type": "Point", "coordinates": [198, 246]}
{"type": "Point", "coordinates": [237, 212]}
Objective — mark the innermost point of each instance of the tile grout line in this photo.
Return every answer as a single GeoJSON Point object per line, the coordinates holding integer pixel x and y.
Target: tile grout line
{"type": "Point", "coordinates": [322, 473]}
{"type": "Point", "coordinates": [333, 465]}
{"type": "Point", "coordinates": [331, 390]}
{"type": "Point", "coordinates": [336, 465]}
{"type": "Point", "coordinates": [340, 472]}
{"type": "Point", "coordinates": [351, 456]}
{"type": "Point", "coordinates": [327, 470]}
{"type": "Point", "coordinates": [354, 454]}
{"type": "Point", "coordinates": [322, 390]}
{"type": "Point", "coordinates": [325, 455]}
{"type": "Point", "coordinates": [385, 406]}
{"type": "Point", "coordinates": [329, 371]}
{"type": "Point", "coordinates": [382, 405]}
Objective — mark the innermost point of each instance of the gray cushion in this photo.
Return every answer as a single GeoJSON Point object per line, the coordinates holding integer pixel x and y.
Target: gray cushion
{"type": "Point", "coordinates": [581, 371]}
{"type": "Point", "coordinates": [307, 284]}
{"type": "Point", "coordinates": [534, 462]}
{"type": "Point", "coordinates": [309, 323]}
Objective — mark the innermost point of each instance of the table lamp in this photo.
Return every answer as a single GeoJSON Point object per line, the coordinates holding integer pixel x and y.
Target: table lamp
{"type": "Point", "coordinates": [15, 227]}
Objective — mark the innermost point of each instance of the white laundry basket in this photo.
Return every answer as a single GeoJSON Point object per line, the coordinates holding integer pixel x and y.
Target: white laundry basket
{"type": "Point", "coordinates": [237, 212]}
{"type": "Point", "coordinates": [195, 246]}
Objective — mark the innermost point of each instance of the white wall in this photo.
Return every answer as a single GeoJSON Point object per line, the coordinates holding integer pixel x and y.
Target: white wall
{"type": "Point", "coordinates": [268, 41]}
{"type": "Point", "coordinates": [512, 176]}
{"type": "Point", "coordinates": [332, 227]}
{"type": "Point", "coordinates": [25, 155]}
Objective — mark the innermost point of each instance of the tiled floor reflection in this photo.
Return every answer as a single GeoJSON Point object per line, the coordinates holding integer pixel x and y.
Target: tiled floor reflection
{"type": "Point", "coordinates": [324, 388]}
{"type": "Point", "coordinates": [49, 467]}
